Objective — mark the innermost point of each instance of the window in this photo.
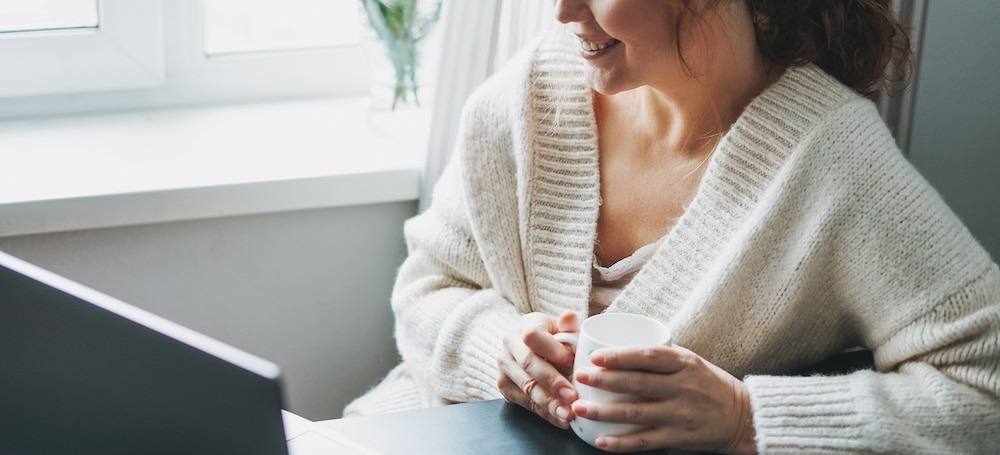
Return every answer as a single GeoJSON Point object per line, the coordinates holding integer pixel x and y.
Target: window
{"type": "Point", "coordinates": [72, 50]}
{"type": "Point", "coordinates": [235, 26]}
{"type": "Point", "coordinates": [93, 55]}
{"type": "Point", "coordinates": [50, 15]}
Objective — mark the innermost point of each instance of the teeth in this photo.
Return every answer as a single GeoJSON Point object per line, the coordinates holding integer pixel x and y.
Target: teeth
{"type": "Point", "coordinates": [592, 47]}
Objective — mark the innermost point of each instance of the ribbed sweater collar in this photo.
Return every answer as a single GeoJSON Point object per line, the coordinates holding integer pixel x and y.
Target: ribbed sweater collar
{"type": "Point", "coordinates": [563, 184]}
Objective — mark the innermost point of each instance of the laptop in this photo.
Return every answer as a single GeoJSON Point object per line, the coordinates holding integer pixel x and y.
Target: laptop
{"type": "Point", "coordinates": [84, 373]}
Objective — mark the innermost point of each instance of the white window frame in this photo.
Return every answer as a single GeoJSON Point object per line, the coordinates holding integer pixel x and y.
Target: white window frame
{"type": "Point", "coordinates": [164, 38]}
{"type": "Point", "coordinates": [125, 51]}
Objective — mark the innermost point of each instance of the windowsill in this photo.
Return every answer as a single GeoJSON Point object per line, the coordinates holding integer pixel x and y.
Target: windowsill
{"type": "Point", "coordinates": [86, 172]}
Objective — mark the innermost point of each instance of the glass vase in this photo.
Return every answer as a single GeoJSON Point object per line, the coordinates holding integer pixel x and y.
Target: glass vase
{"type": "Point", "coordinates": [397, 77]}
{"type": "Point", "coordinates": [396, 33]}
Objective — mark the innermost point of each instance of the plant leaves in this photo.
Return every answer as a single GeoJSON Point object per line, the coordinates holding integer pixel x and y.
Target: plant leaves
{"type": "Point", "coordinates": [400, 19]}
{"type": "Point", "coordinates": [400, 27]}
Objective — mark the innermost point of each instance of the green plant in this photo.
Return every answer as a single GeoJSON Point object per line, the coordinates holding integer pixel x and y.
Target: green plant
{"type": "Point", "coordinates": [401, 26]}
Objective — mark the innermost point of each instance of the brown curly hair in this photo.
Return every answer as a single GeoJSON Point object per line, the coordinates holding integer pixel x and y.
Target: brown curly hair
{"type": "Point", "coordinates": [859, 42]}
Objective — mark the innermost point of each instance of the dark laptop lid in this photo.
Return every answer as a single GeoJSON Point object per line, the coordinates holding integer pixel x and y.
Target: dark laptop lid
{"type": "Point", "coordinates": [84, 373]}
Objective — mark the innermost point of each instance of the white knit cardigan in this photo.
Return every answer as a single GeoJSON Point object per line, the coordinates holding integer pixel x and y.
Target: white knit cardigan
{"type": "Point", "coordinates": [809, 233]}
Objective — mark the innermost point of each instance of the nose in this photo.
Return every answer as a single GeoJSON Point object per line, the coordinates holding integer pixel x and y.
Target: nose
{"type": "Point", "coordinates": [572, 11]}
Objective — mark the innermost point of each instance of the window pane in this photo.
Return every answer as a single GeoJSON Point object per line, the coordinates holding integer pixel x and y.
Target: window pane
{"type": "Point", "coordinates": [266, 25]}
{"type": "Point", "coordinates": [28, 15]}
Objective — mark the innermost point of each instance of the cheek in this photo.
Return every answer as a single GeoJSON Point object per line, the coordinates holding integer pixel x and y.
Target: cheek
{"type": "Point", "coordinates": [654, 41]}
{"type": "Point", "coordinates": [632, 22]}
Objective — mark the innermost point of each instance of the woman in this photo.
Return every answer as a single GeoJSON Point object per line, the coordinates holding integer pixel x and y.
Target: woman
{"type": "Point", "coordinates": [714, 164]}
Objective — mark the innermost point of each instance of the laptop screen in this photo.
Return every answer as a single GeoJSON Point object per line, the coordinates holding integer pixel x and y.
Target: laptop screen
{"type": "Point", "coordinates": [84, 373]}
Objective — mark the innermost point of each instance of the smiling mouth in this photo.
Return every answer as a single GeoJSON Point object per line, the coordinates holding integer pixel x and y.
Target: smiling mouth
{"type": "Point", "coordinates": [594, 47]}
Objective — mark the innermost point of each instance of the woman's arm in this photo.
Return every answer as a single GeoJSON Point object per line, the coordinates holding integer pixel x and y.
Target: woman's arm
{"type": "Point", "coordinates": [936, 389]}
{"type": "Point", "coordinates": [450, 319]}
{"type": "Point", "coordinates": [920, 293]}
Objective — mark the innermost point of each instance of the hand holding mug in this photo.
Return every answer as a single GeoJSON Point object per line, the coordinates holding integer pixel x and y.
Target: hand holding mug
{"type": "Point", "coordinates": [676, 399]}
{"type": "Point", "coordinates": [604, 331]}
{"type": "Point", "coordinates": [534, 367]}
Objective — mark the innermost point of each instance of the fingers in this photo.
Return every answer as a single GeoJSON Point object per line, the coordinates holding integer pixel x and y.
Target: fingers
{"type": "Point", "coordinates": [658, 359]}
{"type": "Point", "coordinates": [640, 440]}
{"type": "Point", "coordinates": [641, 413]}
{"type": "Point", "coordinates": [685, 400]}
{"type": "Point", "coordinates": [691, 435]}
{"type": "Point", "coordinates": [536, 334]}
{"type": "Point", "coordinates": [533, 365]}
{"type": "Point", "coordinates": [638, 383]}
{"type": "Point", "coordinates": [670, 424]}
{"type": "Point", "coordinates": [520, 387]}
{"type": "Point", "coordinates": [655, 374]}
{"type": "Point", "coordinates": [530, 367]}
{"type": "Point", "coordinates": [647, 372]}
{"type": "Point", "coordinates": [675, 428]}
{"type": "Point", "coordinates": [528, 370]}
{"type": "Point", "coordinates": [568, 321]}
{"type": "Point", "coordinates": [521, 395]}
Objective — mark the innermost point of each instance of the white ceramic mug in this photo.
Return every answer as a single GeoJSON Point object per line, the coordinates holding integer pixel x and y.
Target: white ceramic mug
{"type": "Point", "coordinates": [602, 331]}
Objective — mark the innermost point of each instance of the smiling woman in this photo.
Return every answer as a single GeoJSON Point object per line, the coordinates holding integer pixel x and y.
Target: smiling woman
{"type": "Point", "coordinates": [663, 158]}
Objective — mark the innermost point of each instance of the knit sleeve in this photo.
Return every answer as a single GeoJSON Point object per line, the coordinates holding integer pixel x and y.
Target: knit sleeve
{"type": "Point", "coordinates": [459, 292]}
{"type": "Point", "coordinates": [919, 292]}
{"type": "Point", "coordinates": [936, 390]}
{"type": "Point", "coordinates": [450, 320]}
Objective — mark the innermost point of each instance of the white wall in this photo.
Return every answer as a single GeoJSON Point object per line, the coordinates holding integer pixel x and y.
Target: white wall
{"type": "Point", "coordinates": [955, 135]}
{"type": "Point", "coordinates": [307, 290]}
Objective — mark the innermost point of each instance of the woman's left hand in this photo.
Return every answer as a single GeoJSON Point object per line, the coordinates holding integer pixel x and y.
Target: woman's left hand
{"type": "Point", "coordinates": [687, 402]}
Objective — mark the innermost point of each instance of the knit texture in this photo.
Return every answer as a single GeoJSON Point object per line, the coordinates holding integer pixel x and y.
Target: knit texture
{"type": "Point", "coordinates": [809, 234]}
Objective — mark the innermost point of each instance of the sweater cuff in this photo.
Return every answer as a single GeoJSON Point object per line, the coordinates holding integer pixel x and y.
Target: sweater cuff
{"type": "Point", "coordinates": [468, 370]}
{"type": "Point", "coordinates": [484, 351]}
{"type": "Point", "coordinates": [796, 415]}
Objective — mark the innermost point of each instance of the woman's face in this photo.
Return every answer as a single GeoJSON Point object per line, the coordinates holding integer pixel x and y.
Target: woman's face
{"type": "Point", "coordinates": [626, 43]}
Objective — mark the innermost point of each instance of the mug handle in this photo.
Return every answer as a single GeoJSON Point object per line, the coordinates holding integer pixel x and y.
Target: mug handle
{"type": "Point", "coordinates": [570, 338]}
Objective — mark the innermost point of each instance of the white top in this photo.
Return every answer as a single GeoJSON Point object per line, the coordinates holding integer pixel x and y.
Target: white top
{"type": "Point", "coordinates": [610, 281]}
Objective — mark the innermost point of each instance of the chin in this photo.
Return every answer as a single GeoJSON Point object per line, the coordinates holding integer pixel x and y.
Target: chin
{"type": "Point", "coordinates": [605, 82]}
{"type": "Point", "coordinates": [607, 90]}
{"type": "Point", "coordinates": [602, 86]}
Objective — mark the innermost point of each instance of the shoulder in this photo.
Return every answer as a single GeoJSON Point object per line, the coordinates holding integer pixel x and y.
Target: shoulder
{"type": "Point", "coordinates": [843, 159]}
{"type": "Point", "coordinates": [852, 170]}
{"type": "Point", "coordinates": [847, 155]}
{"type": "Point", "coordinates": [526, 99]}
{"type": "Point", "coordinates": [512, 88]}
{"type": "Point", "coordinates": [826, 126]}
{"type": "Point", "coordinates": [789, 137]}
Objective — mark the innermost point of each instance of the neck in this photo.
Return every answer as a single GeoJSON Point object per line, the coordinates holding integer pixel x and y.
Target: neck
{"type": "Point", "coordinates": [689, 111]}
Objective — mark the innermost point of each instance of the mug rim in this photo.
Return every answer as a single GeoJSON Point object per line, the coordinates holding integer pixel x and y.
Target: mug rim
{"type": "Point", "coordinates": [667, 336]}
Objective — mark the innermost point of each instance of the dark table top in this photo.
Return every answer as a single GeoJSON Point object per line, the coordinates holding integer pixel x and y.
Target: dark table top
{"type": "Point", "coordinates": [497, 427]}
{"type": "Point", "coordinates": [486, 427]}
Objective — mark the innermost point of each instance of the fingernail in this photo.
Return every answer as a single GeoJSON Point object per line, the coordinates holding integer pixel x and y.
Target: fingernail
{"type": "Point", "coordinates": [566, 394]}
{"type": "Point", "coordinates": [582, 376]}
{"type": "Point", "coordinates": [598, 358]}
{"type": "Point", "coordinates": [562, 412]}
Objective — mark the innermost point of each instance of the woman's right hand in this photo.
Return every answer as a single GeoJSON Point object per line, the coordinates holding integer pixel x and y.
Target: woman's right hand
{"type": "Point", "coordinates": [534, 367]}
